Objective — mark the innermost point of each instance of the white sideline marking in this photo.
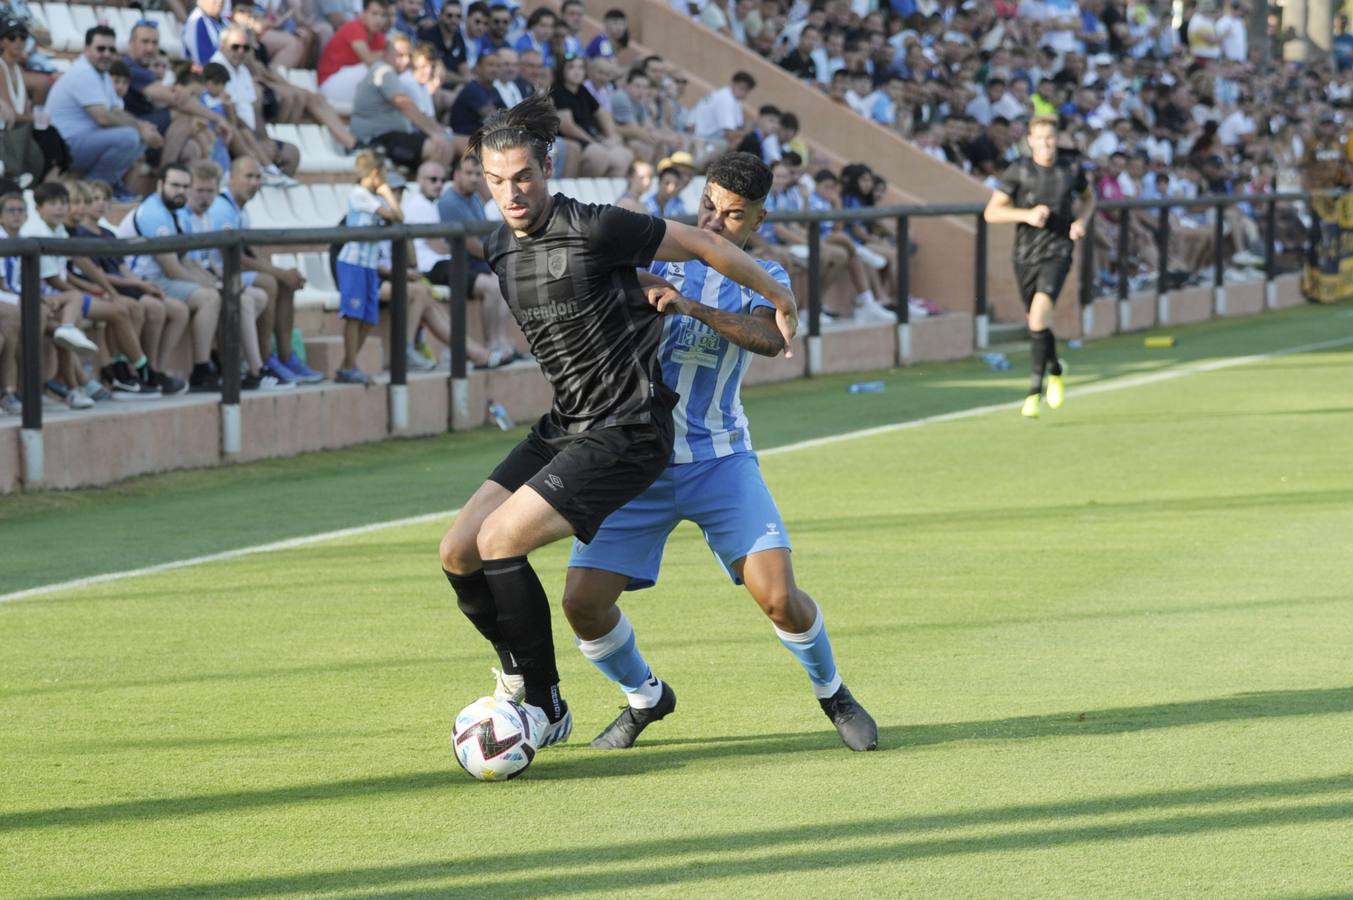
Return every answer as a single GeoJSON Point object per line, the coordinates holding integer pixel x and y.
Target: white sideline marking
{"type": "Point", "coordinates": [1116, 384]}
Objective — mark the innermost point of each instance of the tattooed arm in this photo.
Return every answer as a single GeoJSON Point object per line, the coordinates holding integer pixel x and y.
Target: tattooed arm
{"type": "Point", "coordinates": [755, 331]}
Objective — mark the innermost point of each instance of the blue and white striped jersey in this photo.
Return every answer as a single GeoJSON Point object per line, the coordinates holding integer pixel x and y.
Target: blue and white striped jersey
{"type": "Point", "coordinates": [362, 206]}
{"type": "Point", "coordinates": [703, 367]}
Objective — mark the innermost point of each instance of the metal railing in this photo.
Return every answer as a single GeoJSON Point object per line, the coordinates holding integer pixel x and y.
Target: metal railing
{"type": "Point", "coordinates": [232, 244]}
{"type": "Point", "coordinates": [902, 216]}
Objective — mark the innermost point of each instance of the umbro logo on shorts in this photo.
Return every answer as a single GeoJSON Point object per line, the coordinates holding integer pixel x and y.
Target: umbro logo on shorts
{"type": "Point", "coordinates": [554, 481]}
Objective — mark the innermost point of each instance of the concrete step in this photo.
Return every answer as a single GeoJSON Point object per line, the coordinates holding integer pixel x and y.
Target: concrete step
{"type": "Point", "coordinates": [325, 354]}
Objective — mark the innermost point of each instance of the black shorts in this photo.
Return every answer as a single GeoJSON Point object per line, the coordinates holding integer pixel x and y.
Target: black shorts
{"type": "Point", "coordinates": [1043, 277]}
{"type": "Point", "coordinates": [588, 476]}
{"type": "Point", "coordinates": [403, 148]}
{"type": "Point", "coordinates": [441, 274]}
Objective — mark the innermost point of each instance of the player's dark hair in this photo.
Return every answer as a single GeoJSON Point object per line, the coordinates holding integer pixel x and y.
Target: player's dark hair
{"type": "Point", "coordinates": [119, 69]}
{"type": "Point", "coordinates": [532, 123]}
{"type": "Point", "coordinates": [742, 173]}
{"type": "Point", "coordinates": [49, 191]}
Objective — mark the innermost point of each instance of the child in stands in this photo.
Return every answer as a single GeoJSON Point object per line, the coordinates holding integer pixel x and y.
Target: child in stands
{"type": "Point", "coordinates": [371, 202]}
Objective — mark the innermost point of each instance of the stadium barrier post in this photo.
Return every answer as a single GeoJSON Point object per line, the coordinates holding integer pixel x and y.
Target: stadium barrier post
{"type": "Point", "coordinates": [1086, 288]}
{"type": "Point", "coordinates": [458, 387]}
{"type": "Point", "coordinates": [228, 341]}
{"type": "Point", "coordinates": [399, 327]}
{"type": "Point", "coordinates": [814, 298]}
{"type": "Point", "coordinates": [1218, 261]}
{"type": "Point", "coordinates": [30, 323]}
{"type": "Point", "coordinates": [981, 321]}
{"type": "Point", "coordinates": [903, 290]}
{"type": "Point", "coordinates": [1163, 264]}
{"type": "Point", "coordinates": [1124, 307]}
{"type": "Point", "coordinates": [1271, 254]}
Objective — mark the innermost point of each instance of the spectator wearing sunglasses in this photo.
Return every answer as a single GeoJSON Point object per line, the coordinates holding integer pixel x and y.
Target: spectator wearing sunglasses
{"type": "Point", "coordinates": [278, 158]}
{"type": "Point", "coordinates": [104, 139]}
{"type": "Point", "coordinates": [499, 35]}
{"type": "Point", "coordinates": [449, 42]}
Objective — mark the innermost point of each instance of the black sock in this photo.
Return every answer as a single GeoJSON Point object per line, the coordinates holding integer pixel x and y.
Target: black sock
{"type": "Point", "coordinates": [524, 623]}
{"type": "Point", "coordinates": [1038, 354]}
{"type": "Point", "coordinates": [476, 600]}
{"type": "Point", "coordinates": [1050, 352]}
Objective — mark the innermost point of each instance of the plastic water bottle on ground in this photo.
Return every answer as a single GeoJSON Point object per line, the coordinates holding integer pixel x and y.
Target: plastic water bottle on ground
{"type": "Point", "coordinates": [996, 362]}
{"type": "Point", "coordinates": [867, 387]}
{"type": "Point", "coordinates": [500, 417]}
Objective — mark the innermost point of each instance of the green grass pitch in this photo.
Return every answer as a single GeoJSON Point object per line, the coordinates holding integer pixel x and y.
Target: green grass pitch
{"type": "Point", "coordinates": [1110, 652]}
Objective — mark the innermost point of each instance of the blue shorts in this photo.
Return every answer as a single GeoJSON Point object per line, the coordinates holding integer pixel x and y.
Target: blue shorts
{"type": "Point", "coordinates": [359, 292]}
{"type": "Point", "coordinates": [726, 497]}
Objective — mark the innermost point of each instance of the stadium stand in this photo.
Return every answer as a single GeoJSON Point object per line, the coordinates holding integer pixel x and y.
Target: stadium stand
{"type": "Point", "coordinates": [928, 135]}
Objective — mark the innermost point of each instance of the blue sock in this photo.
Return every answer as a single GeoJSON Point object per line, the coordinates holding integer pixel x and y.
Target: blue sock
{"type": "Point", "coordinates": [814, 651]}
{"type": "Point", "coordinates": [617, 656]}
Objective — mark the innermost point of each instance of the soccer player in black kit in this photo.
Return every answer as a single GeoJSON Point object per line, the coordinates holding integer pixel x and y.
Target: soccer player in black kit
{"type": "Point", "coordinates": [1037, 194]}
{"type": "Point", "coordinates": [569, 273]}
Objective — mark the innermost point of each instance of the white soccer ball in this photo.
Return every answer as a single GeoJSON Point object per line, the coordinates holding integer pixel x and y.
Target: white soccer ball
{"type": "Point", "coordinates": [492, 739]}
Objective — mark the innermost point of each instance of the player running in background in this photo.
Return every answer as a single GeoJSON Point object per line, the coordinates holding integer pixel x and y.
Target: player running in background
{"type": "Point", "coordinates": [569, 274]}
{"type": "Point", "coordinates": [1037, 194]}
{"type": "Point", "coordinates": [712, 328]}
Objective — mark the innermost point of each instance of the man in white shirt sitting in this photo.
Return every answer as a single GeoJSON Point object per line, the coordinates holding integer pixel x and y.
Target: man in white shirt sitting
{"type": "Point", "coordinates": [433, 255]}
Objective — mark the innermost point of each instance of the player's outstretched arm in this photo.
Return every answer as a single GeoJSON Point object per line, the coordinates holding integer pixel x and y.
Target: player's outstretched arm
{"type": "Point", "coordinates": [686, 242]}
{"type": "Point", "coordinates": [756, 331]}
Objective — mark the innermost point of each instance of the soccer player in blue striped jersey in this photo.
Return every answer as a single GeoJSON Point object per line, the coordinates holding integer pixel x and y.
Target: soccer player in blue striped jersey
{"type": "Point", "coordinates": [713, 480]}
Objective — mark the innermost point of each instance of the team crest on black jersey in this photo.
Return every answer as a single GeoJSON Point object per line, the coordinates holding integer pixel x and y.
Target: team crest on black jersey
{"type": "Point", "coordinates": [556, 262]}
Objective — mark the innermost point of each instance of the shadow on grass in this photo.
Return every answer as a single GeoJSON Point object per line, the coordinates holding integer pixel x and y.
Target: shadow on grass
{"type": "Point", "coordinates": [884, 840]}
{"type": "Point", "coordinates": [663, 755]}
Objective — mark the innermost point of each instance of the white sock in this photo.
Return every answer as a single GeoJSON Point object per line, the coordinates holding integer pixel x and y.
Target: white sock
{"type": "Point", "coordinates": [865, 298]}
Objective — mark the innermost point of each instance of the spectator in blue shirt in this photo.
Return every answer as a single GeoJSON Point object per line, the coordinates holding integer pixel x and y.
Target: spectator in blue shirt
{"type": "Point", "coordinates": [539, 30]}
{"type": "Point", "coordinates": [615, 38]}
{"type": "Point", "coordinates": [202, 31]}
{"type": "Point", "coordinates": [104, 139]}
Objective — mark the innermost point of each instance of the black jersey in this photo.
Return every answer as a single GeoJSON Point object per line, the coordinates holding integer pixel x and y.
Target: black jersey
{"type": "Point", "coordinates": [1057, 186]}
{"type": "Point", "coordinates": [574, 289]}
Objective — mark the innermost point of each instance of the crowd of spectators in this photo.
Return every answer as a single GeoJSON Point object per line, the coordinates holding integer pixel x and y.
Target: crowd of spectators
{"type": "Point", "coordinates": [1157, 104]}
